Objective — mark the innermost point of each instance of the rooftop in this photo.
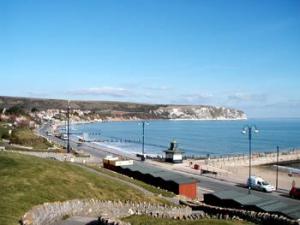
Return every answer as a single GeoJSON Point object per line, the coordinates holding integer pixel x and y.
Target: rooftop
{"type": "Point", "coordinates": [159, 173]}
{"type": "Point", "coordinates": [264, 203]}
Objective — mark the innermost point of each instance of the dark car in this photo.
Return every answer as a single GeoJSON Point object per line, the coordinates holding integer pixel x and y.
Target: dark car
{"type": "Point", "coordinates": [295, 192]}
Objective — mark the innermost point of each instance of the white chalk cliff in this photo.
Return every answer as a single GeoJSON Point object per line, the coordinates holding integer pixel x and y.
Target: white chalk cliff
{"type": "Point", "coordinates": [199, 113]}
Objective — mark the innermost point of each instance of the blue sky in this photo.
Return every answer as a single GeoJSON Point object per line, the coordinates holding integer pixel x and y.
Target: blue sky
{"type": "Point", "coordinates": [240, 54]}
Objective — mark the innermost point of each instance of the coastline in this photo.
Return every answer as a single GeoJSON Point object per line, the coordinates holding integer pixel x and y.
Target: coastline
{"type": "Point", "coordinates": [219, 157]}
{"type": "Point", "coordinates": [120, 148]}
{"type": "Point", "coordinates": [258, 159]}
{"type": "Point", "coordinates": [211, 119]}
{"type": "Point", "coordinates": [60, 123]}
{"type": "Point", "coordinates": [120, 137]}
{"type": "Point", "coordinates": [232, 169]}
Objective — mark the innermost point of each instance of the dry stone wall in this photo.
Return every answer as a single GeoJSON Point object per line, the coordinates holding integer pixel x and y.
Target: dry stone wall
{"type": "Point", "coordinates": [110, 212]}
{"type": "Point", "coordinates": [49, 213]}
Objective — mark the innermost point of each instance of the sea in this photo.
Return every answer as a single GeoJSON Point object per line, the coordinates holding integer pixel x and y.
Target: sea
{"type": "Point", "coordinates": [195, 137]}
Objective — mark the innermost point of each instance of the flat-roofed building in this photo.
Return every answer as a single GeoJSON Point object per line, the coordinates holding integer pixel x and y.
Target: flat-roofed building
{"type": "Point", "coordinates": [173, 154]}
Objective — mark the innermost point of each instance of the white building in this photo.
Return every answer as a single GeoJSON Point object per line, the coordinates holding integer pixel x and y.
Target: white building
{"type": "Point", "coordinates": [173, 154]}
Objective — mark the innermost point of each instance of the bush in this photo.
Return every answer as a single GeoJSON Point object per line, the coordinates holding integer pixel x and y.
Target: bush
{"type": "Point", "coordinates": [33, 110]}
{"type": "Point", "coordinates": [16, 110]}
{"type": "Point", "coordinates": [4, 133]}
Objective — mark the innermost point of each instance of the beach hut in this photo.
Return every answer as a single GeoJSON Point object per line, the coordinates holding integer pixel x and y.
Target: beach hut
{"type": "Point", "coordinates": [173, 154]}
{"type": "Point", "coordinates": [165, 179]}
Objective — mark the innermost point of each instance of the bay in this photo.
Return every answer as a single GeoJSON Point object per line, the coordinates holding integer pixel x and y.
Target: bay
{"type": "Point", "coordinates": [196, 137]}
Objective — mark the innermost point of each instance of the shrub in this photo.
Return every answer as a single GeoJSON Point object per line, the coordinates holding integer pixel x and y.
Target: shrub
{"type": "Point", "coordinates": [15, 110]}
{"type": "Point", "coordinates": [4, 133]}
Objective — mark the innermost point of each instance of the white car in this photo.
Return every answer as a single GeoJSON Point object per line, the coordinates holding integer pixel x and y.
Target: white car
{"type": "Point", "coordinates": [257, 183]}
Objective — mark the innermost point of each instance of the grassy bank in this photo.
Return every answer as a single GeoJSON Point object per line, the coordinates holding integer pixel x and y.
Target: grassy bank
{"type": "Point", "coordinates": [142, 220]}
{"type": "Point", "coordinates": [3, 132]}
{"type": "Point", "coordinates": [27, 181]}
{"type": "Point", "coordinates": [26, 137]}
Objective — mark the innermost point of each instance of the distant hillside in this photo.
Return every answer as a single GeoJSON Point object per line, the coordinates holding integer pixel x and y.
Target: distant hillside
{"type": "Point", "coordinates": [127, 110]}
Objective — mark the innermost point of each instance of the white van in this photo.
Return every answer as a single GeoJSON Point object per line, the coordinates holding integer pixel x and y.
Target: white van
{"type": "Point", "coordinates": [64, 137]}
{"type": "Point", "coordinates": [259, 184]}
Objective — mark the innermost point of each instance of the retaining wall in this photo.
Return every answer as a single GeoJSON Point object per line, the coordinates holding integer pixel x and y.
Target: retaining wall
{"type": "Point", "coordinates": [110, 212]}
{"type": "Point", "coordinates": [49, 213]}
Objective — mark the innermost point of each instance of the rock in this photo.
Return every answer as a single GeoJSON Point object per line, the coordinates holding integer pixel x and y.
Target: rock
{"type": "Point", "coordinates": [131, 212]}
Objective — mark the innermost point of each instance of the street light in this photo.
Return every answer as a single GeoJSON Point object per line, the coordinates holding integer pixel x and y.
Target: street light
{"type": "Point", "coordinates": [249, 129]}
{"type": "Point", "coordinates": [143, 123]}
{"type": "Point", "coordinates": [277, 168]}
{"type": "Point", "coordinates": [68, 127]}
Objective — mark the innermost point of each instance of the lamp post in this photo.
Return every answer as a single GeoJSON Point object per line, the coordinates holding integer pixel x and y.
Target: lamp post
{"type": "Point", "coordinates": [249, 129]}
{"type": "Point", "coordinates": [143, 123]}
{"type": "Point", "coordinates": [277, 168]}
{"type": "Point", "coordinates": [68, 128]}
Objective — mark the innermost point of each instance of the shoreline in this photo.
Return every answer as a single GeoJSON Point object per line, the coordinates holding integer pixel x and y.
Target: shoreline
{"type": "Point", "coordinates": [158, 151]}
{"type": "Point", "coordinates": [232, 169]}
{"type": "Point", "coordinates": [220, 160]}
{"type": "Point", "coordinates": [140, 119]}
{"type": "Point", "coordinates": [224, 157]}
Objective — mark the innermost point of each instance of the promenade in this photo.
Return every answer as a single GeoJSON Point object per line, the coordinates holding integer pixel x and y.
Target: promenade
{"type": "Point", "coordinates": [236, 168]}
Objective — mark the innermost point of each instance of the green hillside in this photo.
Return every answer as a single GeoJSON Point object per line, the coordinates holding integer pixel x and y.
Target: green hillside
{"type": "Point", "coordinates": [27, 181]}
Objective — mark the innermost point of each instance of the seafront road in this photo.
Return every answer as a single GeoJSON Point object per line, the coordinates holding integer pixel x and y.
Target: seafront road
{"type": "Point", "coordinates": [205, 184]}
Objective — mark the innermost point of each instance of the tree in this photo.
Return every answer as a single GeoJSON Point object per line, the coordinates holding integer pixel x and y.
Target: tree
{"type": "Point", "coordinates": [34, 109]}
{"type": "Point", "coordinates": [16, 110]}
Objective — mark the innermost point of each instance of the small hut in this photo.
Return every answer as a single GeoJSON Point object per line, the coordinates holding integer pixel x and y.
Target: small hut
{"type": "Point", "coordinates": [173, 154]}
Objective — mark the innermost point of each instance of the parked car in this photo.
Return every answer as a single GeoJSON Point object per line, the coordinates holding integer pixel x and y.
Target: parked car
{"type": "Point", "coordinates": [257, 183]}
{"type": "Point", "coordinates": [295, 192]}
{"type": "Point", "coordinates": [64, 137]}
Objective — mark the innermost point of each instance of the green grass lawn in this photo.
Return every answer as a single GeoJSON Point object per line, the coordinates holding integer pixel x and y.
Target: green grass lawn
{"type": "Point", "coordinates": [147, 220]}
{"type": "Point", "coordinates": [26, 137]}
{"type": "Point", "coordinates": [27, 181]}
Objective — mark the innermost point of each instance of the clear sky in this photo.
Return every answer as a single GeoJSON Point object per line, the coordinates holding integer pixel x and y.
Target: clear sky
{"type": "Point", "coordinates": [241, 54]}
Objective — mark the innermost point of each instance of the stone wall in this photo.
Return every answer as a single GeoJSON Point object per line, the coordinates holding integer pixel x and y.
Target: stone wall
{"type": "Point", "coordinates": [110, 212]}
{"type": "Point", "coordinates": [252, 216]}
{"type": "Point", "coordinates": [49, 213]}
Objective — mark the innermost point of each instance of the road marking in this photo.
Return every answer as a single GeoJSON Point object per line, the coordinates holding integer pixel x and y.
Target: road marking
{"type": "Point", "coordinates": [205, 189]}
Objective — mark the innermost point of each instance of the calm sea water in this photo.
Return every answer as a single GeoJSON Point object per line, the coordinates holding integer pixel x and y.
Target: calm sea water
{"type": "Point", "coordinates": [197, 137]}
